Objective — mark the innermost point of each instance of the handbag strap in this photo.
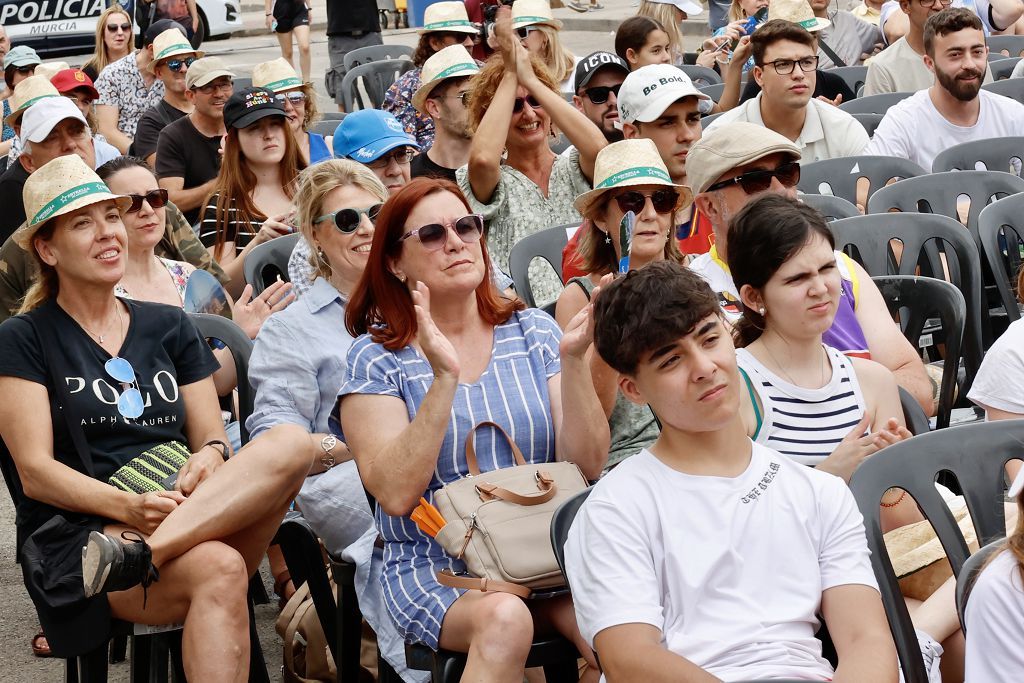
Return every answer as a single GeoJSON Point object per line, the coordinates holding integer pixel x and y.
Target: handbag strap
{"type": "Point", "coordinates": [446, 578]}
{"type": "Point", "coordinates": [471, 461]}
{"type": "Point", "coordinates": [545, 484]}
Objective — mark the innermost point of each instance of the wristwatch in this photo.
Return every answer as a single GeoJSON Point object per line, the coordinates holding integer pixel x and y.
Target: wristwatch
{"type": "Point", "coordinates": [327, 459]}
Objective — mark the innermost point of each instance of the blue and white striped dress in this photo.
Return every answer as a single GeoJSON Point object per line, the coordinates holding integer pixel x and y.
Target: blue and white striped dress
{"type": "Point", "coordinates": [513, 392]}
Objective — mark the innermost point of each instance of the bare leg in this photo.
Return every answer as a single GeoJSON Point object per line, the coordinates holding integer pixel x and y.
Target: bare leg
{"type": "Point", "coordinates": [302, 38]}
{"type": "Point", "coordinates": [495, 629]}
{"type": "Point", "coordinates": [558, 613]}
{"type": "Point", "coordinates": [285, 40]}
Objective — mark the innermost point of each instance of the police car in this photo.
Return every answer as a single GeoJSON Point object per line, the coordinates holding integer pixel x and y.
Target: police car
{"type": "Point", "coordinates": [56, 27]}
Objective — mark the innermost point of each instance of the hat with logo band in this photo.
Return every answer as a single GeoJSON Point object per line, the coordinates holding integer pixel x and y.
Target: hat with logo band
{"type": "Point", "coordinates": [626, 163]}
{"type": "Point", "coordinates": [68, 80]}
{"type": "Point", "coordinates": [277, 75]}
{"type": "Point", "coordinates": [452, 62]}
{"type": "Point", "coordinates": [368, 134]}
{"type": "Point", "coordinates": [249, 105]}
{"type": "Point", "coordinates": [205, 70]}
{"type": "Point", "coordinates": [533, 13]}
{"type": "Point", "coordinates": [798, 12]}
{"type": "Point", "coordinates": [594, 62]}
{"type": "Point", "coordinates": [171, 43]}
{"type": "Point", "coordinates": [447, 16]}
{"type": "Point", "coordinates": [730, 146]}
{"type": "Point", "coordinates": [27, 93]}
{"type": "Point", "coordinates": [650, 90]}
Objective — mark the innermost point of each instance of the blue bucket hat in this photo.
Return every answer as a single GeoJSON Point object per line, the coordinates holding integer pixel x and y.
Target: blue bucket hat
{"type": "Point", "coordinates": [367, 134]}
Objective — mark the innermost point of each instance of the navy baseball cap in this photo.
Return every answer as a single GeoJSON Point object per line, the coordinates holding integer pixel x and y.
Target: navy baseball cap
{"type": "Point", "coordinates": [248, 106]}
{"type": "Point", "coordinates": [368, 134]}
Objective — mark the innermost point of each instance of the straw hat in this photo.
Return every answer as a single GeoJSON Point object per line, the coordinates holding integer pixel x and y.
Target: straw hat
{"type": "Point", "coordinates": [533, 12]}
{"type": "Point", "coordinates": [452, 62]}
{"type": "Point", "coordinates": [447, 16]}
{"type": "Point", "coordinates": [171, 43]}
{"type": "Point", "coordinates": [59, 187]}
{"type": "Point", "coordinates": [27, 93]}
{"type": "Point", "coordinates": [277, 75]}
{"type": "Point", "coordinates": [627, 163]}
{"type": "Point", "coordinates": [50, 69]}
{"type": "Point", "coordinates": [797, 11]}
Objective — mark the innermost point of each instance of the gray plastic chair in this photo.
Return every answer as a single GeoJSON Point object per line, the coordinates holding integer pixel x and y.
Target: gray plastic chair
{"type": "Point", "coordinates": [375, 53]}
{"type": "Point", "coordinates": [364, 86]}
{"type": "Point", "coordinates": [1012, 46]}
{"type": "Point", "coordinates": [701, 75]}
{"type": "Point", "coordinates": [994, 154]}
{"type": "Point", "coordinates": [546, 244]}
{"type": "Point", "coordinates": [241, 83]}
{"type": "Point", "coordinates": [332, 115]}
{"type": "Point", "coordinates": [832, 208]}
{"type": "Point", "coordinates": [240, 346]}
{"type": "Point", "coordinates": [1010, 87]}
{"type": "Point", "coordinates": [840, 176]}
{"type": "Point", "coordinates": [874, 104]}
{"type": "Point", "coordinates": [1001, 231]}
{"type": "Point", "coordinates": [968, 576]}
{"type": "Point", "coordinates": [853, 75]}
{"type": "Point", "coordinates": [714, 91]}
{"type": "Point", "coordinates": [975, 455]}
{"type": "Point", "coordinates": [866, 239]}
{"type": "Point", "coordinates": [706, 120]}
{"type": "Point", "coordinates": [869, 121]}
{"type": "Point", "coordinates": [325, 127]}
{"type": "Point", "coordinates": [268, 261]}
{"type": "Point", "coordinates": [1002, 68]}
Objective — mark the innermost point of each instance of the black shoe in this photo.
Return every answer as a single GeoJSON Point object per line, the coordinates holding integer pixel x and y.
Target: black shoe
{"type": "Point", "coordinates": [109, 565]}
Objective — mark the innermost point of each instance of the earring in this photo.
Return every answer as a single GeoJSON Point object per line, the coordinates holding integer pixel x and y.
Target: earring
{"type": "Point", "coordinates": [761, 311]}
{"type": "Point", "coordinates": [607, 238]}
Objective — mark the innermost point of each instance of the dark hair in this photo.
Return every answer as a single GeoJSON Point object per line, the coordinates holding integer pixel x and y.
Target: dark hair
{"type": "Point", "coordinates": [949, 20]}
{"type": "Point", "coordinates": [647, 309]}
{"type": "Point", "coordinates": [122, 163]}
{"type": "Point", "coordinates": [424, 50]}
{"type": "Point", "coordinates": [771, 32]}
{"type": "Point", "coordinates": [633, 32]}
{"type": "Point", "coordinates": [762, 236]}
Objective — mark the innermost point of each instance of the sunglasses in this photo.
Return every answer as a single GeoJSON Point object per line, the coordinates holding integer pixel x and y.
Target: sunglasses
{"type": "Point", "coordinates": [129, 402]}
{"type": "Point", "coordinates": [156, 199]}
{"type": "Point", "coordinates": [435, 236]}
{"type": "Point", "coordinates": [295, 98]}
{"type": "Point", "coordinates": [26, 69]}
{"type": "Point", "coordinates": [599, 94]}
{"type": "Point", "coordinates": [664, 201]}
{"type": "Point", "coordinates": [347, 220]}
{"type": "Point", "coordinates": [753, 182]}
{"type": "Point", "coordinates": [519, 102]}
{"type": "Point", "coordinates": [525, 31]}
{"type": "Point", "coordinates": [175, 65]}
{"type": "Point", "coordinates": [114, 28]}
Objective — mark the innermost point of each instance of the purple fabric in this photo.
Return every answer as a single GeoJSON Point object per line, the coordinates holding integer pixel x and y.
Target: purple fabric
{"type": "Point", "coordinates": [846, 334]}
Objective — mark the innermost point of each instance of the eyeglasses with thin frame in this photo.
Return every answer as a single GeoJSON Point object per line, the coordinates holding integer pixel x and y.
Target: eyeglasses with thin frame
{"type": "Point", "coordinates": [931, 3]}
{"type": "Point", "coordinates": [519, 102]}
{"type": "Point", "coordinates": [129, 402]}
{"type": "Point", "coordinates": [155, 198]}
{"type": "Point", "coordinates": [400, 156]}
{"type": "Point", "coordinates": [347, 220]}
{"type": "Point", "coordinates": [525, 31]}
{"type": "Point", "coordinates": [599, 93]}
{"type": "Point", "coordinates": [784, 67]}
{"type": "Point", "coordinates": [114, 28]}
{"type": "Point", "coordinates": [295, 98]}
{"type": "Point", "coordinates": [435, 235]}
{"type": "Point", "coordinates": [760, 180]}
{"type": "Point", "coordinates": [84, 100]}
{"type": "Point", "coordinates": [664, 201]}
{"type": "Point", "coordinates": [176, 64]}
{"type": "Point", "coordinates": [461, 96]}
{"type": "Point", "coordinates": [213, 87]}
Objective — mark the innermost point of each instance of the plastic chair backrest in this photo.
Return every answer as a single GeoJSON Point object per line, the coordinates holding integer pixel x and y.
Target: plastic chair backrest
{"type": "Point", "coordinates": [364, 86]}
{"type": "Point", "coordinates": [375, 53]}
{"type": "Point", "coordinates": [874, 104]}
{"type": "Point", "coordinates": [240, 347]}
{"type": "Point", "coordinates": [1002, 68]}
{"type": "Point", "coordinates": [975, 455]}
{"type": "Point", "coordinates": [705, 121]}
{"type": "Point", "coordinates": [714, 91]}
{"type": "Point", "coordinates": [269, 260]}
{"type": "Point", "coordinates": [332, 115]}
{"type": "Point", "coordinates": [968, 575]}
{"type": "Point", "coordinates": [869, 237]}
{"type": "Point", "coordinates": [560, 523]}
{"type": "Point", "coordinates": [1012, 46]}
{"type": "Point", "coordinates": [832, 208]}
{"type": "Point", "coordinates": [546, 244]}
{"type": "Point", "coordinates": [913, 414]}
{"type": "Point", "coordinates": [701, 75]}
{"type": "Point", "coordinates": [1001, 231]}
{"type": "Point", "coordinates": [1009, 87]}
{"type": "Point", "coordinates": [916, 299]}
{"type": "Point", "coordinates": [995, 154]}
{"type": "Point", "coordinates": [325, 127]}
{"type": "Point", "coordinates": [868, 121]}
{"type": "Point", "coordinates": [241, 83]}
{"type": "Point", "coordinates": [841, 176]}
{"type": "Point", "coordinates": [853, 75]}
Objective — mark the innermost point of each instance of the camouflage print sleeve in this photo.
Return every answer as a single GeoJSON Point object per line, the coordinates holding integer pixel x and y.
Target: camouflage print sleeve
{"type": "Point", "coordinates": [16, 274]}
{"type": "Point", "coordinates": [180, 243]}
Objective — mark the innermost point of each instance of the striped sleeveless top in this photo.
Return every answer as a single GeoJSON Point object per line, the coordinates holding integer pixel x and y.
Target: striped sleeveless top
{"type": "Point", "coordinates": [805, 425]}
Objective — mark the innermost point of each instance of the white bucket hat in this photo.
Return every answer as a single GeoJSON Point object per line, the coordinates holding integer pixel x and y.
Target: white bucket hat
{"type": "Point", "coordinates": [627, 163]}
{"type": "Point", "coordinates": [171, 43]}
{"type": "Point", "coordinates": [27, 93]}
{"type": "Point", "coordinates": [447, 16]}
{"type": "Point", "coordinates": [532, 13]}
{"type": "Point", "coordinates": [276, 75]}
{"type": "Point", "coordinates": [452, 62]}
{"type": "Point", "coordinates": [61, 186]}
{"type": "Point", "coordinates": [797, 11]}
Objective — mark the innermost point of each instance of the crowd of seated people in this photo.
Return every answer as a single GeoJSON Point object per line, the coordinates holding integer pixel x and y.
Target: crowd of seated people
{"type": "Point", "coordinates": [704, 353]}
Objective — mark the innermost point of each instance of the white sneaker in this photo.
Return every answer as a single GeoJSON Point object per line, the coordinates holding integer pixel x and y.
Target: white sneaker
{"type": "Point", "coordinates": [931, 653]}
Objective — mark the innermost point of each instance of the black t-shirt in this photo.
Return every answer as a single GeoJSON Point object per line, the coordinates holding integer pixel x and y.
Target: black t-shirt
{"type": "Point", "coordinates": [12, 182]}
{"type": "Point", "coordinates": [154, 120]}
{"type": "Point", "coordinates": [166, 352]}
{"type": "Point", "coordinates": [241, 238]}
{"type": "Point", "coordinates": [345, 17]}
{"type": "Point", "coordinates": [184, 152]}
{"type": "Point", "coordinates": [423, 165]}
{"type": "Point", "coordinates": [826, 84]}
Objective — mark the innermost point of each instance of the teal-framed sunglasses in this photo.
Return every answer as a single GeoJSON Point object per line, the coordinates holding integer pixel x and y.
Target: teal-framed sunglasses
{"type": "Point", "coordinates": [347, 220]}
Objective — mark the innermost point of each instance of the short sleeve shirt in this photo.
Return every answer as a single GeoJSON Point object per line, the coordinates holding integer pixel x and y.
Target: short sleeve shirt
{"type": "Point", "coordinates": [398, 101]}
{"type": "Point", "coordinates": [183, 152]}
{"type": "Point", "coordinates": [1001, 375]}
{"type": "Point", "coordinates": [121, 85]}
{"type": "Point", "coordinates": [154, 120]}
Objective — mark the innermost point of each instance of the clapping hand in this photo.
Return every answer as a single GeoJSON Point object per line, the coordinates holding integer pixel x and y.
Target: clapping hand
{"type": "Point", "coordinates": [440, 353]}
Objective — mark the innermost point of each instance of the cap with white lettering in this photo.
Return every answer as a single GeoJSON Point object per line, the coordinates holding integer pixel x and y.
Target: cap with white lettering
{"type": "Point", "coordinates": [594, 62]}
{"type": "Point", "coordinates": [650, 90]}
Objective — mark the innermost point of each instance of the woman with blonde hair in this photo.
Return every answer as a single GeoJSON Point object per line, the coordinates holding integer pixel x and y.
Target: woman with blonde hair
{"type": "Point", "coordinates": [113, 40]}
{"type": "Point", "coordinates": [537, 29]}
{"type": "Point", "coordinates": [299, 102]}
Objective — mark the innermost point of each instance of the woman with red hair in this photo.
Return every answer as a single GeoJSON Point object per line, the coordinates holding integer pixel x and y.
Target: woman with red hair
{"type": "Point", "coordinates": [441, 351]}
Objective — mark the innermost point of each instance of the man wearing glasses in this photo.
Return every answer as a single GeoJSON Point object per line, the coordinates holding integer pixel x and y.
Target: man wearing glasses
{"type": "Point", "coordinates": [188, 150]}
{"type": "Point", "coordinates": [785, 60]}
{"type": "Point", "coordinates": [378, 141]}
{"type": "Point", "coordinates": [738, 162]}
{"type": "Point", "coordinates": [172, 56]}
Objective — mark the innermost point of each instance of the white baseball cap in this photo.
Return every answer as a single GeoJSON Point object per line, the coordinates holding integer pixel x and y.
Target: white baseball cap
{"type": "Point", "coordinates": [691, 8]}
{"type": "Point", "coordinates": [650, 90]}
{"type": "Point", "coordinates": [43, 116]}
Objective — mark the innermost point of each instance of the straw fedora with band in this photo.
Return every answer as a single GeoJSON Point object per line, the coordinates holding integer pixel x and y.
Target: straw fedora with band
{"type": "Point", "coordinates": [447, 17]}
{"type": "Point", "coordinates": [27, 93]}
{"type": "Point", "coordinates": [452, 62]}
{"type": "Point", "coordinates": [276, 75]}
{"type": "Point", "coordinates": [797, 11]}
{"type": "Point", "coordinates": [171, 43]}
{"type": "Point", "coordinates": [58, 187]}
{"type": "Point", "coordinates": [532, 13]}
{"type": "Point", "coordinates": [628, 163]}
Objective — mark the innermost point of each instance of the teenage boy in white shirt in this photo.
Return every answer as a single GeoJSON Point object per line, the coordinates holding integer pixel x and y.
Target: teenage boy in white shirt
{"type": "Point", "coordinates": [707, 556]}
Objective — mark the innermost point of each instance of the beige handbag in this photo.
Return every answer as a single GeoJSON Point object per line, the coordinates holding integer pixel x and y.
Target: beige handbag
{"type": "Point", "coordinates": [499, 522]}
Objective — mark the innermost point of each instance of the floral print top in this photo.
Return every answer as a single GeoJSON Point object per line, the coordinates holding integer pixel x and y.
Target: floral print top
{"type": "Point", "coordinates": [398, 101]}
{"type": "Point", "coordinates": [179, 272]}
{"type": "Point", "coordinates": [121, 85]}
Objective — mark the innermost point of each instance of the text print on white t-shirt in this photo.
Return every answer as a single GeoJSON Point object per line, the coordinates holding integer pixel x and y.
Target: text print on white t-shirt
{"type": "Point", "coordinates": [164, 383]}
{"type": "Point", "coordinates": [762, 486]}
